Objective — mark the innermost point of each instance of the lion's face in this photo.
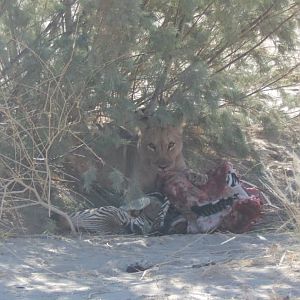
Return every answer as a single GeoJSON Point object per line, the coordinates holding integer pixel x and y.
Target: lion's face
{"type": "Point", "coordinates": [160, 148]}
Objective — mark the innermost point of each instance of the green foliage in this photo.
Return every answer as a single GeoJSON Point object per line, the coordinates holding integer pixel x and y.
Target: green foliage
{"type": "Point", "coordinates": [271, 124]}
{"type": "Point", "coordinates": [66, 65]}
{"type": "Point", "coordinates": [224, 133]}
{"type": "Point", "coordinates": [115, 53]}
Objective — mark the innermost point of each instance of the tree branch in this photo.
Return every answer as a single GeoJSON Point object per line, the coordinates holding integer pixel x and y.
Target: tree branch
{"type": "Point", "coordinates": [272, 82]}
{"type": "Point", "coordinates": [256, 45]}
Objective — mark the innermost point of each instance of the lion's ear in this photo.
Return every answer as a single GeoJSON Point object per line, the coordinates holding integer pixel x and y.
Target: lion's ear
{"type": "Point", "coordinates": [160, 118]}
{"type": "Point", "coordinates": [180, 120]}
{"type": "Point", "coordinates": [143, 121]}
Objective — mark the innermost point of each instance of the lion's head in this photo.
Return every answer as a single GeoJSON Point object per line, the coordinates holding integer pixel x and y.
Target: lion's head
{"type": "Point", "coordinates": [160, 147]}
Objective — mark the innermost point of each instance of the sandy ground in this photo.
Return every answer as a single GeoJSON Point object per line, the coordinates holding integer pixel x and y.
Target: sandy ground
{"type": "Point", "coordinates": [216, 266]}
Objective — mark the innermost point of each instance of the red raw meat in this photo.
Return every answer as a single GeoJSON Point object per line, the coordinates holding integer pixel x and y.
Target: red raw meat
{"type": "Point", "coordinates": [223, 202]}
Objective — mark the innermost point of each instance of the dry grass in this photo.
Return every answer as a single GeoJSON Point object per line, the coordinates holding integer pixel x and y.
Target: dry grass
{"type": "Point", "coordinates": [31, 132]}
{"type": "Point", "coordinates": [286, 194]}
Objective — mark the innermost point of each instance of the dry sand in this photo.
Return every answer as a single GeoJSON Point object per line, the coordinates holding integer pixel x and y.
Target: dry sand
{"type": "Point", "coordinates": [216, 266]}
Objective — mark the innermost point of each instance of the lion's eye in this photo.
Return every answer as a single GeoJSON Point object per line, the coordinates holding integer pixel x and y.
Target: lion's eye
{"type": "Point", "coordinates": [151, 147]}
{"type": "Point", "coordinates": [171, 145]}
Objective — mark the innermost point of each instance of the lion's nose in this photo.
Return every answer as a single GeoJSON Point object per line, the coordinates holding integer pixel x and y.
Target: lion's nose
{"type": "Point", "coordinates": [163, 167]}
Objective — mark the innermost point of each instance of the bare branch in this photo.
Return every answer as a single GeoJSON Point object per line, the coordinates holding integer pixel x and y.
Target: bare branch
{"type": "Point", "coordinates": [239, 57]}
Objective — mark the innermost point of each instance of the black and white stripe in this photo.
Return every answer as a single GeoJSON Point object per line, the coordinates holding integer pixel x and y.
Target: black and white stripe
{"type": "Point", "coordinates": [113, 220]}
{"type": "Point", "coordinates": [105, 220]}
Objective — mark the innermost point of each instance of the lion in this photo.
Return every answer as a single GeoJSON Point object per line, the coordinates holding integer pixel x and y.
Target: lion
{"type": "Point", "coordinates": [157, 148]}
{"type": "Point", "coordinates": [143, 161]}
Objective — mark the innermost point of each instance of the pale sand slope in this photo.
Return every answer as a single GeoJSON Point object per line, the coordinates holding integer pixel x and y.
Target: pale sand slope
{"type": "Point", "coordinates": [248, 266]}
